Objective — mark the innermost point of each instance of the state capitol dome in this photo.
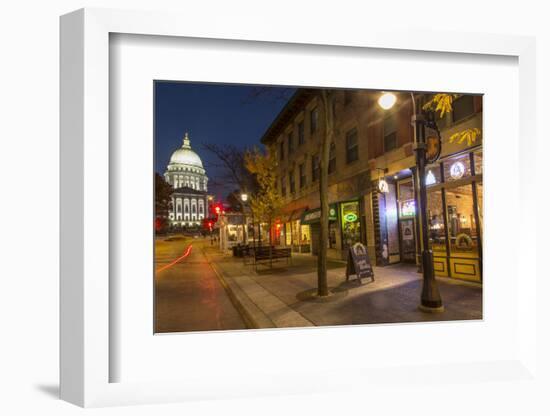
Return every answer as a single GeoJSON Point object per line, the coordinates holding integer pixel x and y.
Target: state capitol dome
{"type": "Point", "coordinates": [185, 155]}
{"type": "Point", "coordinates": [185, 168]}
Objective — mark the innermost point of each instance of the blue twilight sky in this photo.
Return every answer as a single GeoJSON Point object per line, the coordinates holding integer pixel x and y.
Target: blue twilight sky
{"type": "Point", "coordinates": [211, 113]}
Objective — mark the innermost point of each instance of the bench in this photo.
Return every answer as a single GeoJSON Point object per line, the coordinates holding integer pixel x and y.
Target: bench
{"type": "Point", "coordinates": [264, 254]}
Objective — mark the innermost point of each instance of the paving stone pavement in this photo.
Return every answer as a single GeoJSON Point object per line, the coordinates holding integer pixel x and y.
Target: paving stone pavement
{"type": "Point", "coordinates": [280, 297]}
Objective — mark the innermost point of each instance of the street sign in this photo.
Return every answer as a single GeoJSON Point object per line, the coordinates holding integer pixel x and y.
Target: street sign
{"type": "Point", "coordinates": [358, 263]}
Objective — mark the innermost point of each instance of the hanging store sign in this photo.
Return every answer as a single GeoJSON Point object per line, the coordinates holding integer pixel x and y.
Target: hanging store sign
{"type": "Point", "coordinates": [383, 186]}
{"type": "Point", "coordinates": [433, 142]}
{"type": "Point", "coordinates": [314, 215]}
{"type": "Point", "coordinates": [358, 263]}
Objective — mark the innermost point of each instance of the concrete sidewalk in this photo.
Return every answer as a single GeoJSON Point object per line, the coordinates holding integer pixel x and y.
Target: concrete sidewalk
{"type": "Point", "coordinates": [282, 296]}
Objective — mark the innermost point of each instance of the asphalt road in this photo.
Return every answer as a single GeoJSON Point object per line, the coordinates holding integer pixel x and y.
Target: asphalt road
{"type": "Point", "coordinates": [188, 294]}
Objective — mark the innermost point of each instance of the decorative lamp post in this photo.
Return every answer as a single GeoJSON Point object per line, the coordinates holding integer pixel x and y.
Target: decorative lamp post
{"type": "Point", "coordinates": [427, 147]}
{"type": "Point", "coordinates": [244, 198]}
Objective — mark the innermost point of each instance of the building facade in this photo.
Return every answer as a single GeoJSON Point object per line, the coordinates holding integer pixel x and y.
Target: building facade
{"type": "Point", "coordinates": [372, 145]}
{"type": "Point", "coordinates": [185, 173]}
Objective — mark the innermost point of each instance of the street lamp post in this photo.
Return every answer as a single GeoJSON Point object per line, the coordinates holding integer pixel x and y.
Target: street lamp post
{"type": "Point", "coordinates": [430, 299]}
{"type": "Point", "coordinates": [244, 198]}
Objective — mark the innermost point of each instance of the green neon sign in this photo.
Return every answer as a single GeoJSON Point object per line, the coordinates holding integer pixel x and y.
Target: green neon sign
{"type": "Point", "coordinates": [350, 217]}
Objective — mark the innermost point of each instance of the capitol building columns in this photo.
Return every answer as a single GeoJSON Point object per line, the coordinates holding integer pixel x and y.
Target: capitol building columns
{"type": "Point", "coordinates": [187, 176]}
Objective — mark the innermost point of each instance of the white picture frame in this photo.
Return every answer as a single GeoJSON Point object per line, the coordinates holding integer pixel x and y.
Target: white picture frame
{"type": "Point", "coordinates": [85, 183]}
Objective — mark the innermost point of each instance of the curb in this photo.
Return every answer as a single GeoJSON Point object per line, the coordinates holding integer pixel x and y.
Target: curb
{"type": "Point", "coordinates": [251, 320]}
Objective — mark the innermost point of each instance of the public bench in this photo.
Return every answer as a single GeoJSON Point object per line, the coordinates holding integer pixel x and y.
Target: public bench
{"type": "Point", "coordinates": [263, 254]}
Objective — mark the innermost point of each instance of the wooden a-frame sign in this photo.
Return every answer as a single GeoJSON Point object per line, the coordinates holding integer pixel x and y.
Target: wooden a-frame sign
{"type": "Point", "coordinates": [358, 263]}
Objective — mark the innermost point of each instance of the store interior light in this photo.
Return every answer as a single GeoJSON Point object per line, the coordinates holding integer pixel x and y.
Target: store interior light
{"type": "Point", "coordinates": [430, 178]}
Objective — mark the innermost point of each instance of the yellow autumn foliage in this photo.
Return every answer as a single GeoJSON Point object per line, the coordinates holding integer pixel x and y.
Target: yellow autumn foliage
{"type": "Point", "coordinates": [266, 201]}
{"type": "Point", "coordinates": [442, 103]}
{"type": "Point", "coordinates": [470, 135]}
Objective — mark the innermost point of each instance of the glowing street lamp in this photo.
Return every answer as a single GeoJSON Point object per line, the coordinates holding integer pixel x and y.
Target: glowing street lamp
{"type": "Point", "coordinates": [430, 299]}
{"type": "Point", "coordinates": [387, 100]}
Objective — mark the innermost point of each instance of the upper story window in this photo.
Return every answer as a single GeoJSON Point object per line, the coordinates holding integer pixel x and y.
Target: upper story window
{"type": "Point", "coordinates": [314, 168]}
{"type": "Point", "coordinates": [463, 107]}
{"type": "Point", "coordinates": [314, 120]}
{"type": "Point", "coordinates": [352, 148]}
{"type": "Point", "coordinates": [390, 133]}
{"type": "Point", "coordinates": [283, 187]}
{"type": "Point", "coordinates": [348, 96]}
{"type": "Point", "coordinates": [282, 150]}
{"type": "Point", "coordinates": [332, 159]}
{"type": "Point", "coordinates": [302, 172]}
{"type": "Point", "coordinates": [290, 143]}
{"type": "Point", "coordinates": [291, 182]}
{"type": "Point", "coordinates": [300, 133]}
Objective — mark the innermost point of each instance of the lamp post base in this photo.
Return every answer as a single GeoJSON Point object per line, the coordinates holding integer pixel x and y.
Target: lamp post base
{"type": "Point", "coordinates": [429, 309]}
{"type": "Point", "coordinates": [430, 300]}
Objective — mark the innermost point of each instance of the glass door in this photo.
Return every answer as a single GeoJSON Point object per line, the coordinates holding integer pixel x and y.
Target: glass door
{"type": "Point", "coordinates": [407, 221]}
{"type": "Point", "coordinates": [463, 235]}
{"type": "Point", "coordinates": [436, 232]}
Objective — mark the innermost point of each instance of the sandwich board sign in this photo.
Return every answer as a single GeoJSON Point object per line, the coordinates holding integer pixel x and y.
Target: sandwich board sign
{"type": "Point", "coordinates": [358, 263]}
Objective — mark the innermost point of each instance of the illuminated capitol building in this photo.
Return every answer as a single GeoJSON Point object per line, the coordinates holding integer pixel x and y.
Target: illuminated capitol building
{"type": "Point", "coordinates": [188, 178]}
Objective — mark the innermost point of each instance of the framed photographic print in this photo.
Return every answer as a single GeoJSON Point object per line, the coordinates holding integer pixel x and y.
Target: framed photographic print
{"type": "Point", "coordinates": [237, 210]}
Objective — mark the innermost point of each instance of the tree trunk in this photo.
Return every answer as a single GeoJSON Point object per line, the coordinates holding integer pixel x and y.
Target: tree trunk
{"type": "Point", "coordinates": [270, 245]}
{"type": "Point", "coordinates": [254, 233]}
{"type": "Point", "coordinates": [322, 284]}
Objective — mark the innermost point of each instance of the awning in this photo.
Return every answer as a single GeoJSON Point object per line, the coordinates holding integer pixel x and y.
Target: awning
{"type": "Point", "coordinates": [297, 214]}
{"type": "Point", "coordinates": [314, 215]}
{"type": "Point", "coordinates": [284, 218]}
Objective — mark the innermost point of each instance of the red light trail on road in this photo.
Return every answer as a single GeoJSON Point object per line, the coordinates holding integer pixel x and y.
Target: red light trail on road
{"type": "Point", "coordinates": [184, 255]}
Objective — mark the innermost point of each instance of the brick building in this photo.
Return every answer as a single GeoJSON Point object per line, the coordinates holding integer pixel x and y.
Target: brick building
{"type": "Point", "coordinates": [371, 145]}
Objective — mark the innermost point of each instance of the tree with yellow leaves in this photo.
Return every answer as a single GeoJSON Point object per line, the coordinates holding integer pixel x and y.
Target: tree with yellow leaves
{"type": "Point", "coordinates": [266, 202]}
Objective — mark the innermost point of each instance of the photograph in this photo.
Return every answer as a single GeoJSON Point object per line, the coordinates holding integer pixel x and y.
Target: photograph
{"type": "Point", "coordinates": [295, 207]}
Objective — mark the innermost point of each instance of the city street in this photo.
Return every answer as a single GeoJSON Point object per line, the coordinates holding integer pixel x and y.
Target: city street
{"type": "Point", "coordinates": [199, 288]}
{"type": "Point", "coordinates": [188, 294]}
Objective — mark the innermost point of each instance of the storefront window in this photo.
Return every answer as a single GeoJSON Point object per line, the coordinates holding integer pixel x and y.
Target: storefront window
{"type": "Point", "coordinates": [296, 232]}
{"type": "Point", "coordinates": [463, 234]}
{"type": "Point", "coordinates": [305, 236]}
{"type": "Point", "coordinates": [457, 168]}
{"type": "Point", "coordinates": [433, 175]}
{"type": "Point", "coordinates": [405, 193]}
{"type": "Point", "coordinates": [288, 234]}
{"type": "Point", "coordinates": [478, 162]}
{"type": "Point", "coordinates": [351, 226]}
{"type": "Point", "coordinates": [480, 206]}
{"type": "Point", "coordinates": [436, 223]}
{"type": "Point", "coordinates": [332, 227]}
